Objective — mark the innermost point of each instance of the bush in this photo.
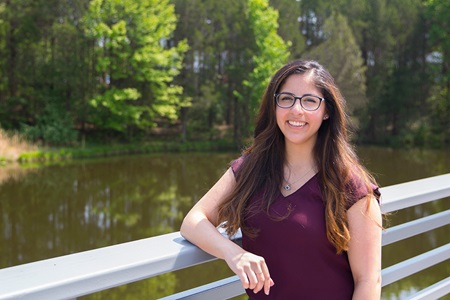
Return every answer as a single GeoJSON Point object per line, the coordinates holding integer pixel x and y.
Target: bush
{"type": "Point", "coordinates": [53, 127]}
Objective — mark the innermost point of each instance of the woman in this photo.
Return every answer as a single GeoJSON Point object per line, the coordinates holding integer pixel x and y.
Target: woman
{"type": "Point", "coordinates": [308, 211]}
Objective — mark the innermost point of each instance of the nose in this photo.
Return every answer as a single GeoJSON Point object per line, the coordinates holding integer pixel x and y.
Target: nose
{"type": "Point", "coordinates": [297, 107]}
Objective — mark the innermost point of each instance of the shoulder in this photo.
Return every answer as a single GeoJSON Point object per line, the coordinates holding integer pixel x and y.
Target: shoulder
{"type": "Point", "coordinates": [236, 164]}
{"type": "Point", "coordinates": [359, 186]}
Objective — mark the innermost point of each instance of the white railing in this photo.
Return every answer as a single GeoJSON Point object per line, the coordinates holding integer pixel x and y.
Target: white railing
{"type": "Point", "coordinates": [83, 273]}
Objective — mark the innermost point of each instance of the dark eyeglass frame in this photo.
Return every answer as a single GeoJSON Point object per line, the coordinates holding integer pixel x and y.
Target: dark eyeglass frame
{"type": "Point", "coordinates": [277, 95]}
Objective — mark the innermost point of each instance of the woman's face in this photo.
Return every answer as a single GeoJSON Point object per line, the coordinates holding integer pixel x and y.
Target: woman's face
{"type": "Point", "coordinates": [300, 126]}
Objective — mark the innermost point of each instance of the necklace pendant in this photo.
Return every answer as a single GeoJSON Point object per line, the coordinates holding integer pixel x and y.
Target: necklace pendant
{"type": "Point", "coordinates": [287, 187]}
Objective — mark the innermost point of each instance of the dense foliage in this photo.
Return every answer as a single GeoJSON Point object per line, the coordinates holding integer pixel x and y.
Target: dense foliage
{"type": "Point", "coordinates": [125, 69]}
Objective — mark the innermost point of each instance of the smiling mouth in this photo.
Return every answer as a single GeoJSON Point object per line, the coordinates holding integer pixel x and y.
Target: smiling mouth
{"type": "Point", "coordinates": [296, 123]}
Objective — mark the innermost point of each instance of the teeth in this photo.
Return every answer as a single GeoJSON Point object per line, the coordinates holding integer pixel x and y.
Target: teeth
{"type": "Point", "coordinates": [295, 123]}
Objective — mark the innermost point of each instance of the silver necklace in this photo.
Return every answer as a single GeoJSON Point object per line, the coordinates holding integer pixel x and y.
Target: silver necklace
{"type": "Point", "coordinates": [287, 187]}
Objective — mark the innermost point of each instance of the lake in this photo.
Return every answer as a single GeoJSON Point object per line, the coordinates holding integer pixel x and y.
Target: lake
{"type": "Point", "coordinates": [74, 206]}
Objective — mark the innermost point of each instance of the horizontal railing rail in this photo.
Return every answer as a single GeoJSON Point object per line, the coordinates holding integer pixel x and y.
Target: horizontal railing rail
{"type": "Point", "coordinates": [434, 291]}
{"type": "Point", "coordinates": [83, 273]}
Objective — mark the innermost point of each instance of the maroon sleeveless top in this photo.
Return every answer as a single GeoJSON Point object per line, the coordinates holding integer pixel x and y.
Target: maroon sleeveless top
{"type": "Point", "coordinates": [301, 261]}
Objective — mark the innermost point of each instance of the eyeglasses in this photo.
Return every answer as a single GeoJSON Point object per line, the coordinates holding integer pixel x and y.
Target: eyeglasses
{"type": "Point", "coordinates": [308, 102]}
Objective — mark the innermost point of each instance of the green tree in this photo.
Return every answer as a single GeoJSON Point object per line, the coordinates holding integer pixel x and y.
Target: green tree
{"type": "Point", "coordinates": [219, 59]}
{"type": "Point", "coordinates": [18, 32]}
{"type": "Point", "coordinates": [390, 36]}
{"type": "Point", "coordinates": [437, 15]}
{"type": "Point", "coordinates": [290, 25]}
{"type": "Point", "coordinates": [45, 71]}
{"type": "Point", "coordinates": [399, 102]}
{"type": "Point", "coordinates": [3, 82]}
{"type": "Point", "coordinates": [342, 57]}
{"type": "Point", "coordinates": [135, 65]}
{"type": "Point", "coordinates": [62, 72]}
{"type": "Point", "coordinates": [271, 53]}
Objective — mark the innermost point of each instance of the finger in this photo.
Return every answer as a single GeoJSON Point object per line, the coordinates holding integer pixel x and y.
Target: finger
{"type": "Point", "coordinates": [264, 269]}
{"type": "Point", "coordinates": [268, 282]}
{"type": "Point", "coordinates": [267, 285]}
{"type": "Point", "coordinates": [244, 280]}
{"type": "Point", "coordinates": [261, 282]}
{"type": "Point", "coordinates": [253, 279]}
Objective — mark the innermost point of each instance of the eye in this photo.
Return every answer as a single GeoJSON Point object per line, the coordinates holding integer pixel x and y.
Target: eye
{"type": "Point", "coordinates": [310, 100]}
{"type": "Point", "coordinates": [285, 97]}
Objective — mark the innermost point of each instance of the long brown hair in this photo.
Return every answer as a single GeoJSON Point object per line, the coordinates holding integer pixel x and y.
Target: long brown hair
{"type": "Point", "coordinates": [264, 159]}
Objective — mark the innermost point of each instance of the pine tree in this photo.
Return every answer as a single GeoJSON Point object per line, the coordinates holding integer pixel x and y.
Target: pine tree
{"type": "Point", "coordinates": [340, 54]}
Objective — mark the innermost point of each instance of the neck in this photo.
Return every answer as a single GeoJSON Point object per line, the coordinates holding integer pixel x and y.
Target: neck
{"type": "Point", "coordinates": [299, 167]}
{"type": "Point", "coordinates": [299, 156]}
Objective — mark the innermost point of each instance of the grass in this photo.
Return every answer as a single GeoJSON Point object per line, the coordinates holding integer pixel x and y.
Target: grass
{"type": "Point", "coordinates": [55, 154]}
{"type": "Point", "coordinates": [18, 157]}
{"type": "Point", "coordinates": [58, 154]}
{"type": "Point", "coordinates": [12, 146]}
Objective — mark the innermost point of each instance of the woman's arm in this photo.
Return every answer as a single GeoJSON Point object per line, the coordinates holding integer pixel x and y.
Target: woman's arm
{"type": "Point", "coordinates": [199, 227]}
{"type": "Point", "coordinates": [364, 253]}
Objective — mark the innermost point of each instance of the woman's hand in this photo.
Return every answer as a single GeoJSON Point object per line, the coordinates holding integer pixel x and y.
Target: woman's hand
{"type": "Point", "coordinates": [251, 270]}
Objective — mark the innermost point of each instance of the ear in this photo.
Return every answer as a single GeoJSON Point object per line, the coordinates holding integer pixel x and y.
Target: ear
{"type": "Point", "coordinates": [325, 117]}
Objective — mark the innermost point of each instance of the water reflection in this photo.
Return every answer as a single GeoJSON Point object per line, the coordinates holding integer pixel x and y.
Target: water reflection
{"type": "Point", "coordinates": [62, 209]}
{"type": "Point", "coordinates": [393, 166]}
{"type": "Point", "coordinates": [13, 172]}
{"type": "Point", "coordinates": [81, 205]}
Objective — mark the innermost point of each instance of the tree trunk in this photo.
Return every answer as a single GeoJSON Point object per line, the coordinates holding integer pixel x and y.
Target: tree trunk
{"type": "Point", "coordinates": [11, 46]}
{"type": "Point", "coordinates": [184, 119]}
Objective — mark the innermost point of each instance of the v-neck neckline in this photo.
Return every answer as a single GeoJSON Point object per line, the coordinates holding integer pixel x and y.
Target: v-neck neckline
{"type": "Point", "coordinates": [298, 189]}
